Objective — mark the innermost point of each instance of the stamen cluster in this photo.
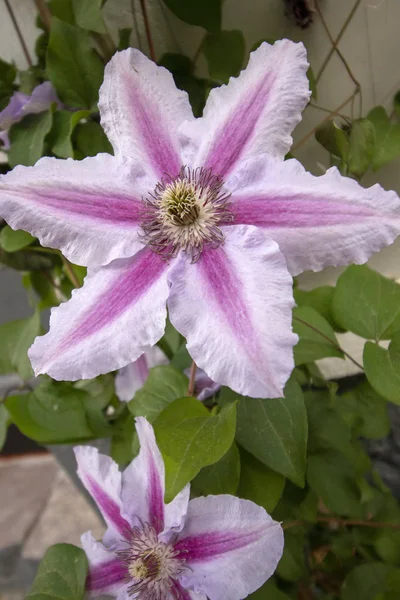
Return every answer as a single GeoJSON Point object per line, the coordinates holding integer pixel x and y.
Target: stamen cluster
{"type": "Point", "coordinates": [151, 565]}
{"type": "Point", "coordinates": [185, 213]}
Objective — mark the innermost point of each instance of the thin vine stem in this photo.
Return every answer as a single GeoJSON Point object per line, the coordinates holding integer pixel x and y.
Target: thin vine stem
{"type": "Point", "coordinates": [332, 342]}
{"type": "Point", "coordinates": [70, 273]}
{"type": "Point", "coordinates": [328, 118]}
{"type": "Point", "coordinates": [19, 33]}
{"type": "Point", "coordinates": [44, 13]}
{"type": "Point", "coordinates": [148, 30]}
{"type": "Point", "coordinates": [335, 42]}
{"type": "Point", "coordinates": [192, 379]}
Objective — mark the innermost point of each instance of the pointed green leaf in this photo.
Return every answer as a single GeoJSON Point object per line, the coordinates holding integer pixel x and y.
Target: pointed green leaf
{"type": "Point", "coordinates": [367, 303]}
{"type": "Point", "coordinates": [382, 368]}
{"type": "Point", "coordinates": [16, 338]}
{"type": "Point", "coordinates": [362, 146]}
{"type": "Point", "coordinates": [61, 575]}
{"type": "Point", "coordinates": [333, 139]}
{"type": "Point", "coordinates": [259, 483]}
{"type": "Point", "coordinates": [316, 337]}
{"type": "Point", "coordinates": [12, 240]}
{"type": "Point", "coordinates": [220, 478]}
{"type": "Point", "coordinates": [88, 15]}
{"type": "Point", "coordinates": [27, 139]}
{"type": "Point", "coordinates": [224, 52]}
{"type": "Point", "coordinates": [387, 137]}
{"type": "Point", "coordinates": [206, 13]}
{"type": "Point", "coordinates": [275, 430]}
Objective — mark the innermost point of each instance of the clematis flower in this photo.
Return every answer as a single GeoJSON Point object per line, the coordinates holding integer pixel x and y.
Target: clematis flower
{"type": "Point", "coordinates": [21, 104]}
{"type": "Point", "coordinates": [131, 378]}
{"type": "Point", "coordinates": [220, 547]}
{"type": "Point", "coordinates": [201, 213]}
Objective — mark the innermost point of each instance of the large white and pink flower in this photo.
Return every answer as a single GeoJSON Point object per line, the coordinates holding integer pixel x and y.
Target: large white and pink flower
{"type": "Point", "coordinates": [202, 215]}
{"type": "Point", "coordinates": [216, 547]}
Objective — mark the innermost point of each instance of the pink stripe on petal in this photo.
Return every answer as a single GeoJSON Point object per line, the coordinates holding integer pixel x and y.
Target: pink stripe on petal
{"type": "Point", "coordinates": [109, 508]}
{"type": "Point", "coordinates": [237, 130]}
{"type": "Point", "coordinates": [142, 368]}
{"type": "Point", "coordinates": [155, 496]}
{"type": "Point", "coordinates": [178, 592]}
{"type": "Point", "coordinates": [234, 308]}
{"type": "Point", "coordinates": [120, 296]}
{"type": "Point", "coordinates": [117, 315]}
{"type": "Point", "coordinates": [210, 545]}
{"type": "Point", "coordinates": [141, 110]}
{"type": "Point", "coordinates": [295, 211]}
{"type": "Point", "coordinates": [104, 575]}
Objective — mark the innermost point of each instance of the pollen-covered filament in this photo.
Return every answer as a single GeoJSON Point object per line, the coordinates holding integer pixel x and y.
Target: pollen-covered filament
{"type": "Point", "coordinates": [151, 565]}
{"type": "Point", "coordinates": [185, 213]}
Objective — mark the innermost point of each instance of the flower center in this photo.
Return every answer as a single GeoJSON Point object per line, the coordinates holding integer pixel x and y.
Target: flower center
{"type": "Point", "coordinates": [151, 565]}
{"type": "Point", "coordinates": [185, 213]}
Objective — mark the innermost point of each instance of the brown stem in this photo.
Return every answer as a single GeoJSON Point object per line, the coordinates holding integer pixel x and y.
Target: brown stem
{"type": "Point", "coordinates": [332, 342]}
{"type": "Point", "coordinates": [192, 379]}
{"type": "Point", "coordinates": [70, 273]}
{"type": "Point", "coordinates": [19, 33]}
{"type": "Point", "coordinates": [333, 113]}
{"type": "Point", "coordinates": [344, 523]}
{"type": "Point", "coordinates": [44, 13]}
{"type": "Point", "coordinates": [335, 48]}
{"type": "Point", "coordinates": [339, 37]}
{"type": "Point", "coordinates": [148, 31]}
{"type": "Point", "coordinates": [135, 24]}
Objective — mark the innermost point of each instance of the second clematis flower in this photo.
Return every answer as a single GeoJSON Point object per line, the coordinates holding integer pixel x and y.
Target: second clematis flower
{"type": "Point", "coordinates": [203, 214]}
{"type": "Point", "coordinates": [216, 547]}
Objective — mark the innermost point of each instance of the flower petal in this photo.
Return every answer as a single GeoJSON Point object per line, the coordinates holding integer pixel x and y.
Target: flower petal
{"type": "Point", "coordinates": [234, 308]}
{"type": "Point", "coordinates": [42, 97]}
{"type": "Point", "coordinates": [204, 387]}
{"type": "Point", "coordinates": [231, 547]}
{"type": "Point", "coordinates": [131, 378]}
{"type": "Point", "coordinates": [106, 573]}
{"type": "Point", "coordinates": [179, 593]}
{"type": "Point", "coordinates": [317, 221]}
{"type": "Point", "coordinates": [254, 113]}
{"type": "Point", "coordinates": [144, 480]}
{"type": "Point", "coordinates": [118, 314]}
{"type": "Point", "coordinates": [102, 479]}
{"type": "Point", "coordinates": [141, 109]}
{"type": "Point", "coordinates": [88, 209]}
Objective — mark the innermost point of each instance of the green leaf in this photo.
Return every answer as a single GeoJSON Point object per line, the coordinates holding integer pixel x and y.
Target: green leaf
{"type": "Point", "coordinates": [6, 92]}
{"type": "Point", "coordinates": [312, 83]}
{"type": "Point", "coordinates": [177, 64]}
{"type": "Point", "coordinates": [64, 123]}
{"type": "Point", "coordinates": [320, 299]}
{"type": "Point", "coordinates": [362, 146]}
{"type": "Point", "coordinates": [53, 413]}
{"type": "Point", "coordinates": [163, 385]}
{"type": "Point", "coordinates": [124, 38]}
{"type": "Point", "coordinates": [331, 475]}
{"type": "Point", "coordinates": [29, 260]}
{"type": "Point", "coordinates": [268, 592]}
{"type": "Point", "coordinates": [275, 431]}
{"type": "Point", "coordinates": [387, 137]}
{"type": "Point", "coordinates": [259, 483]}
{"type": "Point", "coordinates": [366, 581]}
{"type": "Point", "coordinates": [16, 337]}
{"type": "Point", "coordinates": [8, 72]}
{"type": "Point", "coordinates": [396, 104]}
{"type": "Point", "coordinates": [12, 240]}
{"type": "Point", "coordinates": [326, 428]}
{"type": "Point", "coordinates": [90, 140]}
{"type": "Point", "coordinates": [44, 288]}
{"type": "Point", "coordinates": [206, 13]}
{"type": "Point", "coordinates": [224, 52]}
{"type": "Point", "coordinates": [27, 139]}
{"type": "Point", "coordinates": [61, 575]}
{"type": "Point", "coordinates": [333, 139]}
{"type": "Point", "coordinates": [88, 15]}
{"type": "Point", "coordinates": [220, 478]}
{"type": "Point", "coordinates": [62, 9]}
{"type": "Point", "coordinates": [382, 368]}
{"type": "Point", "coordinates": [316, 337]}
{"type": "Point", "coordinates": [4, 420]}
{"type": "Point", "coordinates": [191, 438]}
{"type": "Point", "coordinates": [292, 566]}
{"type": "Point", "coordinates": [124, 440]}
{"type": "Point", "coordinates": [365, 411]}
{"type": "Point", "coordinates": [73, 67]}
{"type": "Point", "coordinates": [367, 303]}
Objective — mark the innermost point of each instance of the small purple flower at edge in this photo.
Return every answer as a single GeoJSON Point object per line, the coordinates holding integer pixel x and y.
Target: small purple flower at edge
{"type": "Point", "coordinates": [216, 547]}
{"type": "Point", "coordinates": [21, 104]}
{"type": "Point", "coordinates": [203, 216]}
{"type": "Point", "coordinates": [132, 377]}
